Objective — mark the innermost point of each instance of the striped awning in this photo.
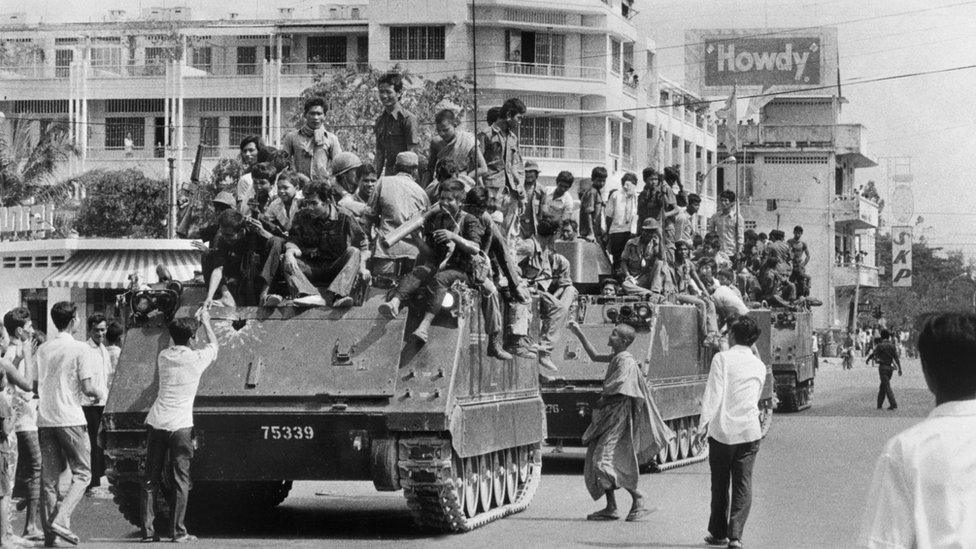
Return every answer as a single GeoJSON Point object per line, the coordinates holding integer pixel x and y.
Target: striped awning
{"type": "Point", "coordinates": [111, 268]}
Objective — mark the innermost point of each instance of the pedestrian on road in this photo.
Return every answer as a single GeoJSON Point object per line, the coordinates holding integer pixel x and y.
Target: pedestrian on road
{"type": "Point", "coordinates": [101, 368]}
{"type": "Point", "coordinates": [923, 493]}
{"type": "Point", "coordinates": [730, 419]}
{"type": "Point", "coordinates": [64, 379]}
{"type": "Point", "coordinates": [169, 425]}
{"type": "Point", "coordinates": [886, 355]}
{"type": "Point", "coordinates": [625, 431]}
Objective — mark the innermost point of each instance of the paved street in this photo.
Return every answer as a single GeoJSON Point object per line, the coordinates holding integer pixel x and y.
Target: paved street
{"type": "Point", "coordinates": [810, 480]}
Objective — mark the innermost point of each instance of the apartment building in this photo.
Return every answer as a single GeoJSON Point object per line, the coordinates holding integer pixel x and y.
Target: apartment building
{"type": "Point", "coordinates": [581, 66]}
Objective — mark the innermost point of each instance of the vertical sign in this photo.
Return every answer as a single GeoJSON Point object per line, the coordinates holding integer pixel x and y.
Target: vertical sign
{"type": "Point", "coordinates": [901, 256]}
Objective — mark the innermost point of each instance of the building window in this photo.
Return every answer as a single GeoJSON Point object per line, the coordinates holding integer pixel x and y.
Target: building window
{"type": "Point", "coordinates": [327, 49]}
{"type": "Point", "coordinates": [241, 126]}
{"type": "Point", "coordinates": [35, 300]}
{"type": "Point", "coordinates": [117, 128]}
{"type": "Point", "coordinates": [615, 56]}
{"type": "Point", "coordinates": [103, 300]}
{"type": "Point", "coordinates": [413, 43]}
{"type": "Point", "coordinates": [535, 48]}
{"type": "Point", "coordinates": [156, 58]}
{"type": "Point", "coordinates": [614, 137]}
{"type": "Point", "coordinates": [247, 60]}
{"type": "Point", "coordinates": [626, 137]}
{"type": "Point", "coordinates": [545, 137]}
{"type": "Point", "coordinates": [106, 58]}
{"type": "Point", "coordinates": [272, 53]}
{"type": "Point", "coordinates": [62, 62]}
{"type": "Point", "coordinates": [209, 135]}
{"type": "Point", "coordinates": [203, 58]}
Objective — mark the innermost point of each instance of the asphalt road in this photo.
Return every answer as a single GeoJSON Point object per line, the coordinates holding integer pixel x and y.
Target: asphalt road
{"type": "Point", "coordinates": [810, 481]}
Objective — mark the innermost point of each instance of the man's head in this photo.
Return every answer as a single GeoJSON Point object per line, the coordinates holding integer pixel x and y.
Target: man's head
{"type": "Point", "coordinates": [531, 172]}
{"type": "Point", "coordinates": [250, 147]}
{"type": "Point", "coordinates": [681, 251]}
{"type": "Point", "coordinates": [569, 230]}
{"type": "Point", "coordinates": [726, 200]}
{"type": "Point", "coordinates": [477, 200]}
{"type": "Point", "coordinates": [344, 169]}
{"type": "Point", "coordinates": [547, 227]}
{"type": "Point", "coordinates": [650, 230]}
{"type": "Point", "coordinates": [63, 313]}
{"type": "Point", "coordinates": [797, 232]}
{"type": "Point", "coordinates": [725, 277]}
{"type": "Point", "coordinates": [564, 180]}
{"type": "Point", "coordinates": [263, 175]}
{"type": "Point", "coordinates": [451, 195]}
{"type": "Point", "coordinates": [97, 326]}
{"type": "Point", "coordinates": [511, 114]}
{"type": "Point", "coordinates": [598, 177]}
{"type": "Point", "coordinates": [776, 235]}
{"type": "Point", "coordinates": [182, 330]}
{"type": "Point", "coordinates": [649, 175]}
{"type": "Point", "coordinates": [762, 238]}
{"type": "Point", "coordinates": [407, 162]}
{"type": "Point", "coordinates": [946, 346]}
{"type": "Point", "coordinates": [492, 115]}
{"type": "Point", "coordinates": [314, 110]}
{"type": "Point", "coordinates": [694, 203]}
{"type": "Point", "coordinates": [628, 183]}
{"type": "Point", "coordinates": [287, 186]}
{"type": "Point", "coordinates": [446, 123]}
{"type": "Point", "coordinates": [390, 88]}
{"type": "Point", "coordinates": [230, 226]}
{"type": "Point", "coordinates": [319, 196]}
{"type": "Point", "coordinates": [621, 337]}
{"type": "Point", "coordinates": [366, 176]}
{"type": "Point", "coordinates": [18, 323]}
{"type": "Point", "coordinates": [223, 201]}
{"type": "Point", "coordinates": [445, 169]}
{"type": "Point", "coordinates": [744, 330]}
{"type": "Point", "coordinates": [884, 334]}
{"type": "Point", "coordinates": [113, 336]}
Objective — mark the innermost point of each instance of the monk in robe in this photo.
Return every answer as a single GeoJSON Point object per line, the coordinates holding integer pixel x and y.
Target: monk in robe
{"type": "Point", "coordinates": [626, 428]}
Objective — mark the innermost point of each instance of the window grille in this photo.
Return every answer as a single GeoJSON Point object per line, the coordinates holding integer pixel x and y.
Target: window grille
{"type": "Point", "coordinates": [416, 43]}
{"type": "Point", "coordinates": [244, 125]}
{"type": "Point", "coordinates": [116, 128]}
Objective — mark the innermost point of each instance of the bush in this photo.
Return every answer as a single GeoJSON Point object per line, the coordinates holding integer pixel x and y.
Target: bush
{"type": "Point", "coordinates": [122, 204]}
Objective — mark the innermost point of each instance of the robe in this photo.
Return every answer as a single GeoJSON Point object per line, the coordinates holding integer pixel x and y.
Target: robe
{"type": "Point", "coordinates": [626, 431]}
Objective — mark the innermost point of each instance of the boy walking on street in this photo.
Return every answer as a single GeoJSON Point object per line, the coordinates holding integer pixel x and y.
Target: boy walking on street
{"type": "Point", "coordinates": [885, 354]}
{"type": "Point", "coordinates": [923, 493]}
{"type": "Point", "coordinates": [63, 380]}
{"type": "Point", "coordinates": [169, 424]}
{"type": "Point", "coordinates": [730, 419]}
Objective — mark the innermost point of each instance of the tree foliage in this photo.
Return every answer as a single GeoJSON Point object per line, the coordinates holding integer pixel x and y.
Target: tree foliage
{"type": "Point", "coordinates": [354, 104]}
{"type": "Point", "coordinates": [30, 157]}
{"type": "Point", "coordinates": [939, 283]}
{"type": "Point", "coordinates": [122, 204]}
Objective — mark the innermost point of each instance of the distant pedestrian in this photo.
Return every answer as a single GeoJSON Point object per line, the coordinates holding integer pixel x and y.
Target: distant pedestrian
{"type": "Point", "coordinates": [626, 428]}
{"type": "Point", "coordinates": [885, 354]}
{"type": "Point", "coordinates": [128, 144]}
{"type": "Point", "coordinates": [923, 493]}
{"type": "Point", "coordinates": [101, 368]}
{"type": "Point", "coordinates": [170, 423]}
{"type": "Point", "coordinates": [64, 379]}
{"type": "Point", "coordinates": [730, 419]}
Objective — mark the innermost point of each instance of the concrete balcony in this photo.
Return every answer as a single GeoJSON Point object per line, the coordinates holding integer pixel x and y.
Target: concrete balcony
{"type": "Point", "coordinates": [855, 211]}
{"type": "Point", "coordinates": [844, 139]}
{"type": "Point", "coordinates": [546, 78]}
{"type": "Point", "coordinates": [849, 143]}
{"type": "Point", "coordinates": [853, 274]}
{"type": "Point", "coordinates": [552, 160]}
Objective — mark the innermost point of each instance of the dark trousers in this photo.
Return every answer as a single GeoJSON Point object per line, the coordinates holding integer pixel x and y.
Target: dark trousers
{"type": "Point", "coordinates": [339, 275]}
{"type": "Point", "coordinates": [93, 417]}
{"type": "Point", "coordinates": [730, 465]}
{"type": "Point", "coordinates": [178, 447]}
{"type": "Point", "coordinates": [29, 473]}
{"type": "Point", "coordinates": [884, 390]}
{"type": "Point", "coordinates": [615, 245]}
{"type": "Point", "coordinates": [437, 282]}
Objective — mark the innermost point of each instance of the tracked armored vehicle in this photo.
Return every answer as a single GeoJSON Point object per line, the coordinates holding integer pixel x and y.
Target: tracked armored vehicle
{"type": "Point", "coordinates": [667, 345]}
{"type": "Point", "coordinates": [321, 394]}
{"type": "Point", "coordinates": [791, 356]}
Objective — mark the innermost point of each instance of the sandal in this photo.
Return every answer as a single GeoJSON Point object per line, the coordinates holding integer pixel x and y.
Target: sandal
{"type": "Point", "coordinates": [638, 514]}
{"type": "Point", "coordinates": [603, 515]}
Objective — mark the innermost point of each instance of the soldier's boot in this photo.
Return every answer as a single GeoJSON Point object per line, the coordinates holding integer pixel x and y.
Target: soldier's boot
{"type": "Point", "coordinates": [391, 308]}
{"type": "Point", "coordinates": [523, 347]}
{"type": "Point", "coordinates": [545, 360]}
{"type": "Point", "coordinates": [495, 348]}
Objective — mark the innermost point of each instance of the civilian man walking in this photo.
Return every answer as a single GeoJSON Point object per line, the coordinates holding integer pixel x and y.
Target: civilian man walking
{"type": "Point", "coordinates": [63, 379]}
{"type": "Point", "coordinates": [101, 365]}
{"type": "Point", "coordinates": [730, 418]}
{"type": "Point", "coordinates": [170, 423]}
{"type": "Point", "coordinates": [885, 354]}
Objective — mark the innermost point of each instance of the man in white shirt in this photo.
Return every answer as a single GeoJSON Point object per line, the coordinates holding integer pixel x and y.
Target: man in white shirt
{"type": "Point", "coordinates": [20, 353]}
{"type": "Point", "coordinates": [64, 382]}
{"type": "Point", "coordinates": [730, 419]}
{"type": "Point", "coordinates": [100, 364]}
{"type": "Point", "coordinates": [170, 422]}
{"type": "Point", "coordinates": [923, 493]}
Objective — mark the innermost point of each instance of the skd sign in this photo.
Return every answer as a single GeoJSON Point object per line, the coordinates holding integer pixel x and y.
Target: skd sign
{"type": "Point", "coordinates": [788, 61]}
{"type": "Point", "coordinates": [901, 256]}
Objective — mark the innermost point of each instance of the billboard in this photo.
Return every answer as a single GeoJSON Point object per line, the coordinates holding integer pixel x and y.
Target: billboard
{"type": "Point", "coordinates": [757, 60]}
{"type": "Point", "coordinates": [901, 256]}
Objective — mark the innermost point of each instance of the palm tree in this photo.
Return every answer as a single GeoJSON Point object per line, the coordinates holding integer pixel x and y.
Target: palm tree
{"type": "Point", "coordinates": [30, 158]}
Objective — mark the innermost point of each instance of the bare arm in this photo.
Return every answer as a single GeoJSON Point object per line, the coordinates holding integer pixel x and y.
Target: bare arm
{"type": "Point", "coordinates": [90, 390]}
{"type": "Point", "coordinates": [14, 376]}
{"type": "Point", "coordinates": [215, 277]}
{"type": "Point", "coordinates": [592, 352]}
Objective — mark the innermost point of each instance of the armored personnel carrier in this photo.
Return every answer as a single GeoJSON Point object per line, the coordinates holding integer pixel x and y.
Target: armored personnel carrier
{"type": "Point", "coordinates": [667, 345]}
{"type": "Point", "coordinates": [322, 394]}
{"type": "Point", "coordinates": [791, 356]}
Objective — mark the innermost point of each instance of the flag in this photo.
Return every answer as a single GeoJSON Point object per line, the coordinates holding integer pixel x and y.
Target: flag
{"type": "Point", "coordinates": [730, 114]}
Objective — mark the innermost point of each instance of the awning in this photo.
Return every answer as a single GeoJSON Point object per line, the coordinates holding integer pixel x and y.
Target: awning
{"type": "Point", "coordinates": [111, 268]}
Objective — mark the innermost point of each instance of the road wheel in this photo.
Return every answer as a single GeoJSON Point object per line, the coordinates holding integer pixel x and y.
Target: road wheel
{"type": "Point", "coordinates": [522, 455]}
{"type": "Point", "coordinates": [471, 485]}
{"type": "Point", "coordinates": [673, 443]}
{"type": "Point", "coordinates": [684, 441]}
{"type": "Point", "coordinates": [497, 479]}
{"type": "Point", "coordinates": [511, 474]}
{"type": "Point", "coordinates": [457, 477]}
{"type": "Point", "coordinates": [484, 481]}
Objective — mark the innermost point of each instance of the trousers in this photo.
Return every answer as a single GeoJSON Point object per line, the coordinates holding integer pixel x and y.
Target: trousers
{"type": "Point", "coordinates": [93, 416]}
{"type": "Point", "coordinates": [339, 275]}
{"type": "Point", "coordinates": [884, 390]}
{"type": "Point", "coordinates": [62, 448]}
{"type": "Point", "coordinates": [178, 445]}
{"type": "Point", "coordinates": [731, 467]}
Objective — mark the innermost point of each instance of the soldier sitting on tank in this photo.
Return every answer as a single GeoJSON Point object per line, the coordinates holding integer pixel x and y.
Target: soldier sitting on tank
{"type": "Point", "coordinates": [452, 238]}
{"type": "Point", "coordinates": [327, 247]}
{"type": "Point", "coordinates": [241, 262]}
{"type": "Point", "coordinates": [642, 263]}
{"type": "Point", "coordinates": [775, 289]}
{"type": "Point", "coordinates": [548, 273]}
{"type": "Point", "coordinates": [690, 289]}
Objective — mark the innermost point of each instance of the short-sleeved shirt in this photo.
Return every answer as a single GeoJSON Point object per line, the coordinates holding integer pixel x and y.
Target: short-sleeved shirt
{"type": "Point", "coordinates": [560, 208]}
{"type": "Point", "coordinates": [684, 227]}
{"type": "Point", "coordinates": [637, 256]}
{"type": "Point", "coordinates": [308, 157]}
{"type": "Point", "coordinates": [652, 201]}
{"type": "Point", "coordinates": [591, 206]}
{"type": "Point", "coordinates": [61, 366]}
{"type": "Point", "coordinates": [396, 131]}
{"type": "Point", "coordinates": [622, 211]}
{"type": "Point", "coordinates": [730, 229]}
{"type": "Point", "coordinates": [541, 264]}
{"type": "Point", "coordinates": [101, 368]}
{"type": "Point", "coordinates": [395, 200]}
{"type": "Point", "coordinates": [728, 303]}
{"type": "Point", "coordinates": [780, 250]}
{"type": "Point", "coordinates": [885, 353]}
{"type": "Point", "coordinates": [468, 226]}
{"type": "Point", "coordinates": [180, 368]}
{"type": "Point", "coordinates": [324, 237]}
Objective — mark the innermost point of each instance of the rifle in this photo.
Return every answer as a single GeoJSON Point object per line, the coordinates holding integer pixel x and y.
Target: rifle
{"type": "Point", "coordinates": [183, 228]}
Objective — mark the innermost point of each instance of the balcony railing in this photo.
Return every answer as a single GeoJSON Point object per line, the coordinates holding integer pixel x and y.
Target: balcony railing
{"type": "Point", "coordinates": [551, 71]}
{"type": "Point", "coordinates": [154, 70]}
{"type": "Point", "coordinates": [546, 151]}
{"type": "Point", "coordinates": [856, 211]}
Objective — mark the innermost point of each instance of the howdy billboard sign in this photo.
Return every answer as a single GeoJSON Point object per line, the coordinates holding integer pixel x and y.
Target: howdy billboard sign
{"type": "Point", "coordinates": [763, 61]}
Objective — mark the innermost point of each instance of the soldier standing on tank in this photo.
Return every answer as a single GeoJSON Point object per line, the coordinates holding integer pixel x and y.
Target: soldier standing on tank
{"type": "Point", "coordinates": [169, 424]}
{"type": "Point", "coordinates": [886, 355]}
{"type": "Point", "coordinates": [626, 428]}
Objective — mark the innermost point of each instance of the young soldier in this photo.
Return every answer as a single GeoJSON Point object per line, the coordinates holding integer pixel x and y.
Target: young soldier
{"type": "Point", "coordinates": [169, 424]}
{"type": "Point", "coordinates": [641, 264]}
{"type": "Point", "coordinates": [396, 128]}
{"type": "Point", "coordinates": [506, 171]}
{"type": "Point", "coordinates": [592, 206]}
{"type": "Point", "coordinates": [626, 428]}
{"type": "Point", "coordinates": [728, 224]}
{"type": "Point", "coordinates": [559, 203]}
{"type": "Point", "coordinates": [534, 196]}
{"type": "Point", "coordinates": [311, 147]}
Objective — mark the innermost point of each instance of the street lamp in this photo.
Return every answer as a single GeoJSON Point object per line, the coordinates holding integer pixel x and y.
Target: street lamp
{"type": "Point", "coordinates": [728, 160]}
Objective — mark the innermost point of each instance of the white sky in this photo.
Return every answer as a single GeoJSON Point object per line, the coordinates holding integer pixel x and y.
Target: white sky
{"type": "Point", "coordinates": [930, 118]}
